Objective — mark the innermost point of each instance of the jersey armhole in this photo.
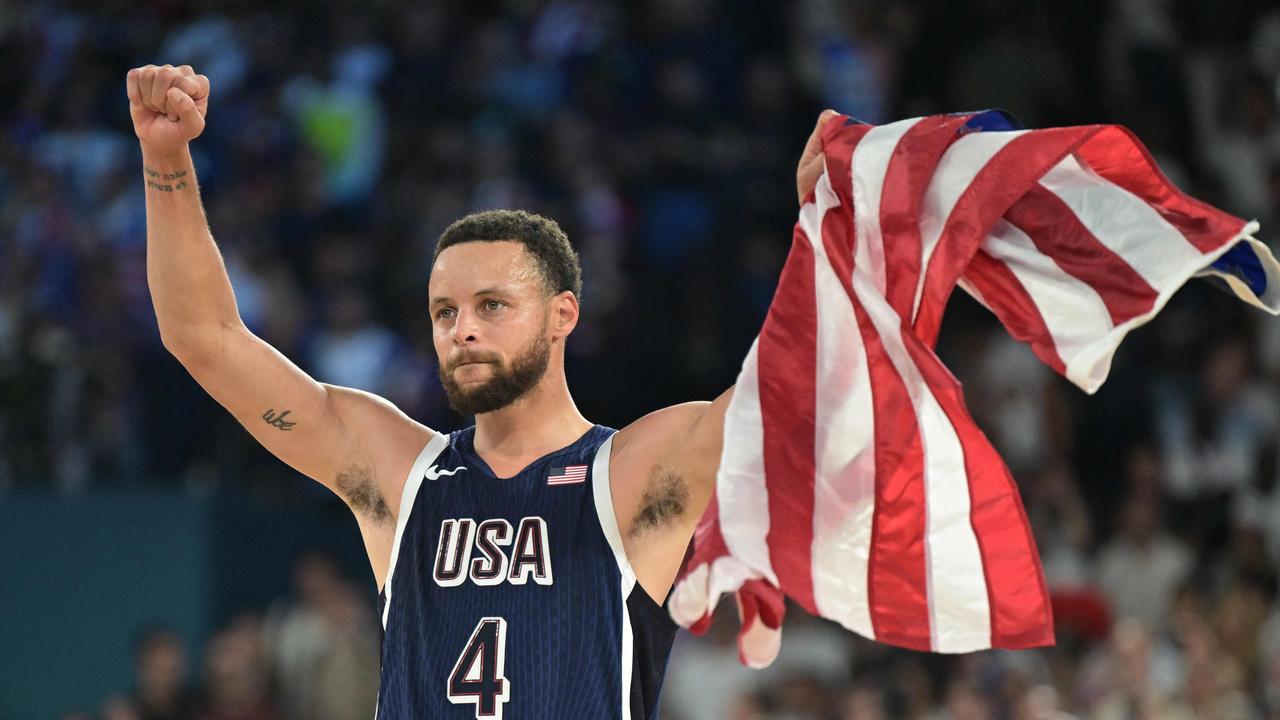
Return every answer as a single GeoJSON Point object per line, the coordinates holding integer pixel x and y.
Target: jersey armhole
{"type": "Point", "coordinates": [603, 493]}
{"type": "Point", "coordinates": [412, 483]}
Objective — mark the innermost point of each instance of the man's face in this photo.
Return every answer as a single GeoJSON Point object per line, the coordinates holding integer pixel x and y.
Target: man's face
{"type": "Point", "coordinates": [489, 315]}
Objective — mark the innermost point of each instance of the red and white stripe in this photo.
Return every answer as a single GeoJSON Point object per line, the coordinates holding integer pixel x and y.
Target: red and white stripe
{"type": "Point", "coordinates": [568, 475]}
{"type": "Point", "coordinates": [853, 478]}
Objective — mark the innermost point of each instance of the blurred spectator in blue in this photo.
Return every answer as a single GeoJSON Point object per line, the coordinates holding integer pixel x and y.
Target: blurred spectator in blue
{"type": "Point", "coordinates": [340, 117]}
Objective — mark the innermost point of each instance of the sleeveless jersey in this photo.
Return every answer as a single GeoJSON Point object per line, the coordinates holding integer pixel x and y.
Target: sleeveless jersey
{"type": "Point", "coordinates": [512, 598]}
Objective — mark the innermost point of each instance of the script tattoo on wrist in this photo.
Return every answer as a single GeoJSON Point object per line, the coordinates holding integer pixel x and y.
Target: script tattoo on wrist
{"type": "Point", "coordinates": [164, 182]}
{"type": "Point", "coordinates": [278, 421]}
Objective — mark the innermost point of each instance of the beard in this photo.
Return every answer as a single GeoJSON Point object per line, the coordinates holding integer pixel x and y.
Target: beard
{"type": "Point", "coordinates": [506, 385]}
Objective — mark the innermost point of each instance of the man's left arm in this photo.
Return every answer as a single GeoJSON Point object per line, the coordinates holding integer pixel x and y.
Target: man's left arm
{"type": "Point", "coordinates": [662, 475]}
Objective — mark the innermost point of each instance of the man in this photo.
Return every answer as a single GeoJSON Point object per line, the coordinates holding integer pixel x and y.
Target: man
{"type": "Point", "coordinates": [521, 563]}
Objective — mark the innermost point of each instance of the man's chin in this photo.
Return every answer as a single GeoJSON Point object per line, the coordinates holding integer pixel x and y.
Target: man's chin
{"type": "Point", "coordinates": [470, 409]}
{"type": "Point", "coordinates": [473, 400]}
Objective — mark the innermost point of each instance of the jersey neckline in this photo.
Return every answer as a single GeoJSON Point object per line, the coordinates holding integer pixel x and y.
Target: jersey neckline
{"type": "Point", "coordinates": [466, 446]}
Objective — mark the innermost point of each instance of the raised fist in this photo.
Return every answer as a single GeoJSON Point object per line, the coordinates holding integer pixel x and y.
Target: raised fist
{"type": "Point", "coordinates": [167, 104]}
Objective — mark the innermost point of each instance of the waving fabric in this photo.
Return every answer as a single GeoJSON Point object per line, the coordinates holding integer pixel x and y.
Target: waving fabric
{"type": "Point", "coordinates": [853, 479]}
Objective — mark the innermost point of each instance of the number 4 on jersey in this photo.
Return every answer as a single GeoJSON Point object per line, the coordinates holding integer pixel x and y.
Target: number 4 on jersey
{"type": "Point", "coordinates": [477, 676]}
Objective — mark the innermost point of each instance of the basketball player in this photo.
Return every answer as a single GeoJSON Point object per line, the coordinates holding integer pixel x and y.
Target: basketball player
{"type": "Point", "coordinates": [522, 563]}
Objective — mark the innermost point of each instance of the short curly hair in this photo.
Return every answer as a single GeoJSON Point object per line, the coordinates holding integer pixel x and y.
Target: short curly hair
{"type": "Point", "coordinates": [541, 237]}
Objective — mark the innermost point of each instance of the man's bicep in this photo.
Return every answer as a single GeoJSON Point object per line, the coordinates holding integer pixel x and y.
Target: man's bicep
{"type": "Point", "coordinates": [385, 443]}
{"type": "Point", "coordinates": [329, 434]}
{"type": "Point", "coordinates": [706, 438]}
{"type": "Point", "coordinates": [683, 442]}
{"type": "Point", "coordinates": [666, 465]}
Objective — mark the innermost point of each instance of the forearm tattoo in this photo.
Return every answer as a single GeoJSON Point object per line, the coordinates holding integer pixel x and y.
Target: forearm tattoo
{"type": "Point", "coordinates": [278, 421]}
{"type": "Point", "coordinates": [164, 182]}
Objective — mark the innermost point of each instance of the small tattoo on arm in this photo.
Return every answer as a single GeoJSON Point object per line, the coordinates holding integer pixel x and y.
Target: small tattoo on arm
{"type": "Point", "coordinates": [154, 177]}
{"type": "Point", "coordinates": [278, 421]}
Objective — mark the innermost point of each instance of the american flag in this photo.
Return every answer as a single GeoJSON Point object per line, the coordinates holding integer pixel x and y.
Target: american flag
{"type": "Point", "coordinates": [567, 475]}
{"type": "Point", "coordinates": [853, 479]}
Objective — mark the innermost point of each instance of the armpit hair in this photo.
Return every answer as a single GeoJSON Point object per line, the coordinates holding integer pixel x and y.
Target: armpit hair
{"type": "Point", "coordinates": [356, 486]}
{"type": "Point", "coordinates": [665, 500]}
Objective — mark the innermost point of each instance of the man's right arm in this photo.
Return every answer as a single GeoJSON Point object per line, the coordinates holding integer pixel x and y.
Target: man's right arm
{"type": "Point", "coordinates": [358, 445]}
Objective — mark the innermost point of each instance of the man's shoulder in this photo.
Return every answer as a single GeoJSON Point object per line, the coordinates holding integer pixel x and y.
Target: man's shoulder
{"type": "Point", "coordinates": [647, 446]}
{"type": "Point", "coordinates": [657, 429]}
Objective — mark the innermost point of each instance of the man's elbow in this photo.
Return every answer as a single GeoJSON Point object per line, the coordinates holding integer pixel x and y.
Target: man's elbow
{"type": "Point", "coordinates": [191, 346]}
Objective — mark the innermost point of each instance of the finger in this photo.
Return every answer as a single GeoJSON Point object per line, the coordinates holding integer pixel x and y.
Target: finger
{"type": "Point", "coordinates": [811, 162]}
{"type": "Point", "coordinates": [807, 177]}
{"type": "Point", "coordinates": [174, 80]}
{"type": "Point", "coordinates": [190, 121]}
{"type": "Point", "coordinates": [202, 96]}
{"type": "Point", "coordinates": [203, 92]}
{"type": "Point", "coordinates": [160, 88]}
{"type": "Point", "coordinates": [186, 70]}
{"type": "Point", "coordinates": [189, 85]}
{"type": "Point", "coordinates": [146, 78]}
{"type": "Point", "coordinates": [131, 87]}
{"type": "Point", "coordinates": [814, 144]}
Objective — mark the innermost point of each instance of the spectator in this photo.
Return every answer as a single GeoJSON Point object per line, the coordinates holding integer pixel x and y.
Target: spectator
{"type": "Point", "coordinates": [1142, 566]}
{"type": "Point", "coordinates": [1131, 679]}
{"type": "Point", "coordinates": [160, 671]}
{"type": "Point", "coordinates": [235, 674]}
{"type": "Point", "coordinates": [863, 702]}
{"type": "Point", "coordinates": [322, 646]}
{"type": "Point", "coordinates": [118, 707]}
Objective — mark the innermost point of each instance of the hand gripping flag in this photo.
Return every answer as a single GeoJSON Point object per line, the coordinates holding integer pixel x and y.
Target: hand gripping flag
{"type": "Point", "coordinates": [853, 479]}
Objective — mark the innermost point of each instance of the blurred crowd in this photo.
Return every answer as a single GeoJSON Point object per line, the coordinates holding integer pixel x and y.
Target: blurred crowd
{"type": "Point", "coordinates": [310, 656]}
{"type": "Point", "coordinates": [343, 137]}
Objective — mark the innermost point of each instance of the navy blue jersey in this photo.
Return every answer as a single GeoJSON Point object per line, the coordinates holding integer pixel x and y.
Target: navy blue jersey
{"type": "Point", "coordinates": [513, 597]}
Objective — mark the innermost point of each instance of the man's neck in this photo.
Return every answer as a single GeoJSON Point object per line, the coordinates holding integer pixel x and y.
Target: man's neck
{"type": "Point", "coordinates": [544, 420]}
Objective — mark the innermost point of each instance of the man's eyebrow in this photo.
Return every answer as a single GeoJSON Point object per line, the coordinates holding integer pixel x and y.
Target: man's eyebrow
{"type": "Point", "coordinates": [484, 291]}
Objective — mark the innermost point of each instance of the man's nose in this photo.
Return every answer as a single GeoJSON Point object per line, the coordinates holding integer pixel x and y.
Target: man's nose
{"type": "Point", "coordinates": [466, 328]}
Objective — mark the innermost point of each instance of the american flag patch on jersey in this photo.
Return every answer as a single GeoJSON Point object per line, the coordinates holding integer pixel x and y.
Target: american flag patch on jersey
{"type": "Point", "coordinates": [567, 475]}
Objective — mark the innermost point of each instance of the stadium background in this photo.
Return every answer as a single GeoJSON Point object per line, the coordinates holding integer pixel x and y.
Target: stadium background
{"type": "Point", "coordinates": [146, 543]}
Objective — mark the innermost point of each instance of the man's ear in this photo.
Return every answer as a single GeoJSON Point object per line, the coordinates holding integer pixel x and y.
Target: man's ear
{"type": "Point", "coordinates": [564, 314]}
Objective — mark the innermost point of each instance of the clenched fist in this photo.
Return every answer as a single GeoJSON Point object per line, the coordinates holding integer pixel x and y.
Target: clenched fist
{"type": "Point", "coordinates": [167, 104]}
